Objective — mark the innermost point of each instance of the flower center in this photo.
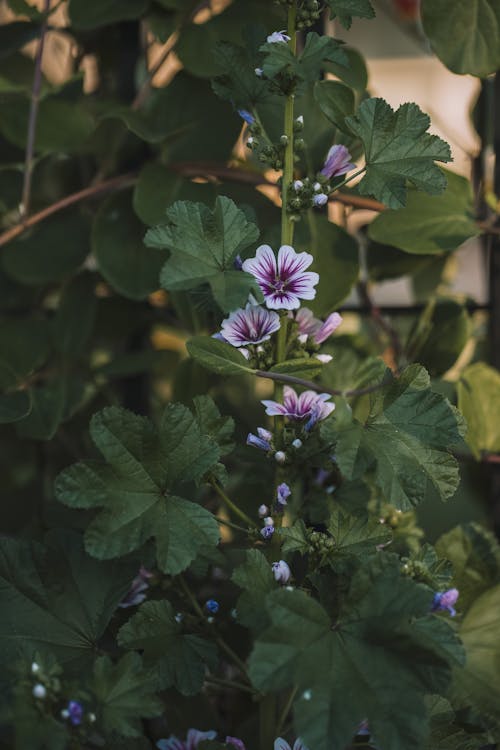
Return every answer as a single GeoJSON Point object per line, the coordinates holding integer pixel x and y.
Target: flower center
{"type": "Point", "coordinates": [279, 284]}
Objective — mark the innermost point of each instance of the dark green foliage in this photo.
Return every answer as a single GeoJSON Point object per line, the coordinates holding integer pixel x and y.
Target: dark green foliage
{"type": "Point", "coordinates": [136, 487]}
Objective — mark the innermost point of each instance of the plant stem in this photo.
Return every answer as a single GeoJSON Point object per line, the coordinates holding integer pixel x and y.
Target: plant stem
{"type": "Point", "coordinates": [219, 640]}
{"type": "Point", "coordinates": [231, 525]}
{"type": "Point", "coordinates": [318, 387]}
{"type": "Point", "coordinates": [348, 179]}
{"type": "Point", "coordinates": [35, 100]}
{"type": "Point", "coordinates": [286, 710]}
{"type": "Point", "coordinates": [287, 226]}
{"type": "Point", "coordinates": [232, 506]}
{"type": "Point", "coordinates": [232, 655]}
{"type": "Point", "coordinates": [230, 684]}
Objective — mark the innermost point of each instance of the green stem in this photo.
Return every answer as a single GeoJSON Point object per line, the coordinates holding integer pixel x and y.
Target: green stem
{"type": "Point", "coordinates": [267, 714]}
{"type": "Point", "coordinates": [286, 710]}
{"type": "Point", "coordinates": [231, 525]}
{"type": "Point", "coordinates": [287, 226]}
{"type": "Point", "coordinates": [348, 179]}
{"type": "Point", "coordinates": [232, 506]}
{"type": "Point", "coordinates": [191, 597]}
{"type": "Point", "coordinates": [230, 684]}
{"type": "Point", "coordinates": [232, 655]}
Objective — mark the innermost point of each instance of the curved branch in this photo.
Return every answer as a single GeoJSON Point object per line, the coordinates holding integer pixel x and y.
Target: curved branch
{"type": "Point", "coordinates": [116, 183]}
{"type": "Point", "coordinates": [318, 387]}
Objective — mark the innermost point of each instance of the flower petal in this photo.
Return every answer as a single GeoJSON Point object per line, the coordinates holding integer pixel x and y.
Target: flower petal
{"type": "Point", "coordinates": [274, 409]}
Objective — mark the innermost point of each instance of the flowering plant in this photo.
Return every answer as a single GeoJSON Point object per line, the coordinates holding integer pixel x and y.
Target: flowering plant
{"type": "Point", "coordinates": [229, 458]}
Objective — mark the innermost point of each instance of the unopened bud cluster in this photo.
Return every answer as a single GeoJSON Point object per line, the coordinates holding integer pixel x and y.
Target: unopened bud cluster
{"type": "Point", "coordinates": [308, 12]}
{"type": "Point", "coordinates": [305, 194]}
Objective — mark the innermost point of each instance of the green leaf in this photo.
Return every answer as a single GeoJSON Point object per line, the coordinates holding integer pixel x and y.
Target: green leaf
{"type": "Point", "coordinates": [157, 188]}
{"type": "Point", "coordinates": [198, 41]}
{"type": "Point", "coordinates": [345, 10]}
{"type": "Point", "coordinates": [21, 7]}
{"type": "Point", "coordinates": [296, 538]}
{"type": "Point", "coordinates": [464, 34]}
{"type": "Point", "coordinates": [444, 332]}
{"type": "Point", "coordinates": [14, 406]}
{"type": "Point", "coordinates": [15, 35]}
{"type": "Point", "coordinates": [446, 733]}
{"type": "Point", "coordinates": [384, 649]}
{"type": "Point", "coordinates": [136, 488]}
{"type": "Point", "coordinates": [478, 393]}
{"type": "Point", "coordinates": [85, 15]}
{"type": "Point", "coordinates": [45, 255]}
{"type": "Point", "coordinates": [475, 555]}
{"type": "Point", "coordinates": [406, 439]}
{"type": "Point", "coordinates": [355, 536]}
{"type": "Point", "coordinates": [336, 101]}
{"type": "Point", "coordinates": [131, 269]}
{"type": "Point", "coordinates": [355, 73]}
{"type": "Point", "coordinates": [430, 225]}
{"type": "Point", "coordinates": [256, 578]}
{"type": "Point", "coordinates": [125, 694]}
{"type": "Point", "coordinates": [220, 429]}
{"type": "Point", "coordinates": [217, 356]}
{"type": "Point", "coordinates": [398, 150]}
{"type": "Point", "coordinates": [47, 411]}
{"type": "Point", "coordinates": [299, 368]}
{"type": "Point", "coordinates": [180, 659]}
{"type": "Point", "coordinates": [307, 67]}
{"type": "Point", "coordinates": [61, 125]}
{"type": "Point", "coordinates": [236, 80]}
{"type": "Point", "coordinates": [203, 128]}
{"type": "Point", "coordinates": [24, 345]}
{"type": "Point", "coordinates": [55, 598]}
{"type": "Point", "coordinates": [478, 683]}
{"type": "Point", "coordinates": [336, 260]}
{"type": "Point", "coordinates": [75, 316]}
{"type": "Point", "coordinates": [203, 245]}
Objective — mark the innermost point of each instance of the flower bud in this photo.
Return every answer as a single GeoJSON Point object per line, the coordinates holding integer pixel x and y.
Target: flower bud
{"type": "Point", "coordinates": [212, 606]}
{"type": "Point", "coordinates": [282, 572]}
{"type": "Point", "coordinates": [259, 72]}
{"type": "Point", "coordinates": [263, 511]}
{"type": "Point", "coordinates": [268, 521]}
{"type": "Point", "coordinates": [39, 691]}
{"type": "Point", "coordinates": [280, 457]}
{"type": "Point", "coordinates": [297, 443]}
{"type": "Point", "coordinates": [35, 668]}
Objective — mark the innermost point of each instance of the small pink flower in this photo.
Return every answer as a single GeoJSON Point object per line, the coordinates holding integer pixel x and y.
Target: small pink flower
{"type": "Point", "coordinates": [312, 327]}
{"type": "Point", "coordinates": [251, 325]}
{"type": "Point", "coordinates": [285, 282]}
{"type": "Point", "coordinates": [337, 162]}
{"type": "Point", "coordinates": [306, 406]}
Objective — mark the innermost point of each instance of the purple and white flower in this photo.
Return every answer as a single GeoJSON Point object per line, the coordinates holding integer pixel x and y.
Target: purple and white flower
{"type": "Point", "coordinates": [337, 162]}
{"type": "Point", "coordinates": [262, 440]}
{"type": "Point", "coordinates": [194, 737]}
{"type": "Point", "coordinates": [278, 36]}
{"type": "Point", "coordinates": [281, 744]}
{"type": "Point", "coordinates": [283, 492]}
{"type": "Point", "coordinates": [249, 325]}
{"type": "Point", "coordinates": [309, 405]}
{"type": "Point", "coordinates": [283, 282]}
{"type": "Point", "coordinates": [281, 571]}
{"type": "Point", "coordinates": [140, 585]}
{"type": "Point", "coordinates": [444, 601]}
{"type": "Point", "coordinates": [314, 328]}
{"type": "Point", "coordinates": [259, 72]}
